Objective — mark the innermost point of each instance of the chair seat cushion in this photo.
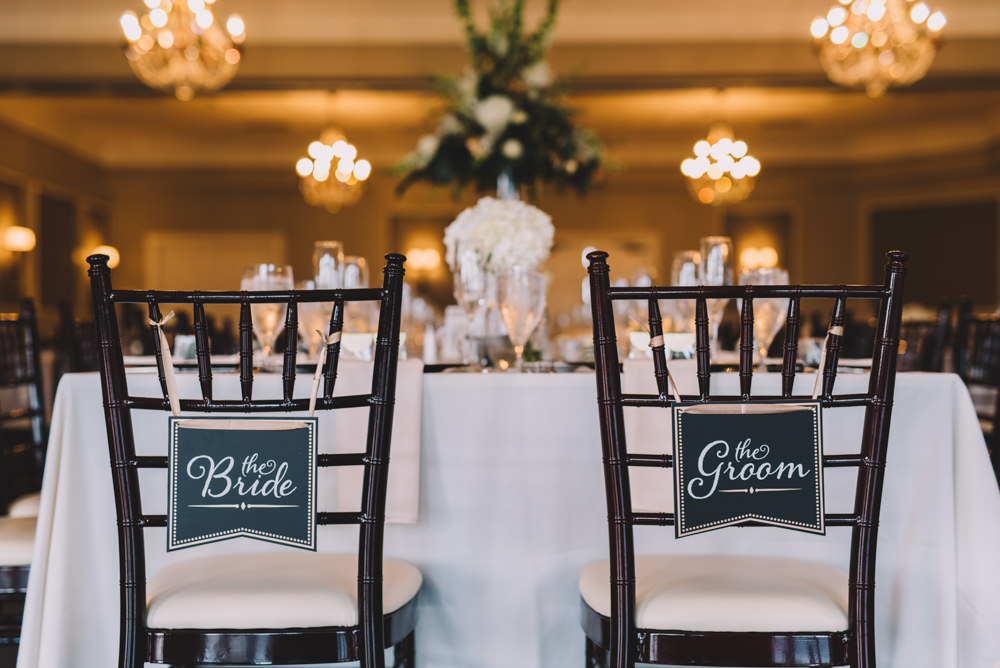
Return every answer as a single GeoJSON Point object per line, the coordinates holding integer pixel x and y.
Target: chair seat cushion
{"type": "Point", "coordinates": [727, 593]}
{"type": "Point", "coordinates": [25, 506]}
{"type": "Point", "coordinates": [17, 540]}
{"type": "Point", "coordinates": [280, 590]}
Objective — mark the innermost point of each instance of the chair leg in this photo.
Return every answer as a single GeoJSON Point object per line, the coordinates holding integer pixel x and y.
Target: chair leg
{"type": "Point", "coordinates": [597, 656]}
{"type": "Point", "coordinates": [404, 653]}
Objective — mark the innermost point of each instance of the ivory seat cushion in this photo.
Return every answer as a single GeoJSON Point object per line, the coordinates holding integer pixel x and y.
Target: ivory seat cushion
{"type": "Point", "coordinates": [17, 540]}
{"type": "Point", "coordinates": [727, 593]}
{"type": "Point", "coordinates": [24, 506]}
{"type": "Point", "coordinates": [279, 590]}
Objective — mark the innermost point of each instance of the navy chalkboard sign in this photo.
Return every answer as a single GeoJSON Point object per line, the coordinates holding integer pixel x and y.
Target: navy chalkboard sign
{"type": "Point", "coordinates": [738, 463]}
{"type": "Point", "coordinates": [253, 477]}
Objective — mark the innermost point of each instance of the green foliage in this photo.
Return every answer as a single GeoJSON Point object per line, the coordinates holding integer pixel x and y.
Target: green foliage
{"type": "Point", "coordinates": [506, 114]}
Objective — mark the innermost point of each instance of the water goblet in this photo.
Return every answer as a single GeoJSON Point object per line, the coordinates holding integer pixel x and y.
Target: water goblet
{"type": "Point", "coordinates": [470, 290]}
{"type": "Point", "coordinates": [328, 264]}
{"type": "Point", "coordinates": [684, 272]}
{"type": "Point", "coordinates": [267, 318]}
{"type": "Point", "coordinates": [314, 321]}
{"type": "Point", "coordinates": [521, 296]}
{"type": "Point", "coordinates": [768, 312]}
{"type": "Point", "coordinates": [357, 315]}
{"type": "Point", "coordinates": [715, 268]}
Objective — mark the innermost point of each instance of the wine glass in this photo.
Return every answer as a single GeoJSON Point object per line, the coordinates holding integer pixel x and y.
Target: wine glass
{"type": "Point", "coordinates": [357, 315]}
{"type": "Point", "coordinates": [267, 318]}
{"type": "Point", "coordinates": [521, 296]}
{"type": "Point", "coordinates": [470, 288]}
{"type": "Point", "coordinates": [768, 312]}
{"type": "Point", "coordinates": [715, 267]}
{"type": "Point", "coordinates": [328, 264]}
{"type": "Point", "coordinates": [314, 320]}
{"type": "Point", "coordinates": [684, 272]}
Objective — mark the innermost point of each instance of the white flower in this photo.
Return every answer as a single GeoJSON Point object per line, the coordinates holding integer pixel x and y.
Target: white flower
{"type": "Point", "coordinates": [537, 75]}
{"type": "Point", "coordinates": [466, 87]}
{"type": "Point", "coordinates": [519, 116]}
{"type": "Point", "coordinates": [512, 149]}
{"type": "Point", "coordinates": [427, 146]}
{"type": "Point", "coordinates": [449, 125]}
{"type": "Point", "coordinates": [493, 113]}
{"type": "Point", "coordinates": [513, 232]}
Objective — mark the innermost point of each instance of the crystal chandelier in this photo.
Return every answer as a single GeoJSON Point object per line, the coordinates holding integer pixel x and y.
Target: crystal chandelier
{"type": "Point", "coordinates": [877, 43]}
{"type": "Point", "coordinates": [721, 170]}
{"type": "Point", "coordinates": [332, 176]}
{"type": "Point", "coordinates": [178, 46]}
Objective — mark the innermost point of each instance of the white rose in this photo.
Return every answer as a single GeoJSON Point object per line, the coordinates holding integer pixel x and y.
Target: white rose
{"type": "Point", "coordinates": [493, 113]}
{"type": "Point", "coordinates": [537, 75]}
{"type": "Point", "coordinates": [450, 125]}
{"type": "Point", "coordinates": [427, 146]}
{"type": "Point", "coordinates": [512, 149]}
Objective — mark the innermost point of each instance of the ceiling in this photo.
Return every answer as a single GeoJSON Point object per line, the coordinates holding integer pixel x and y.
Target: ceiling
{"type": "Point", "coordinates": [649, 77]}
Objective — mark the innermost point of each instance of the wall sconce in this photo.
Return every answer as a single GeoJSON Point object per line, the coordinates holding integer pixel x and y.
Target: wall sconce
{"type": "Point", "coordinates": [19, 239]}
{"type": "Point", "coordinates": [423, 260]}
{"type": "Point", "coordinates": [755, 258]}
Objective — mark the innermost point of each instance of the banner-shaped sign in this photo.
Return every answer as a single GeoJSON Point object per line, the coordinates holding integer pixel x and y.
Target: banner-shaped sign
{"type": "Point", "coordinates": [253, 477]}
{"type": "Point", "coordinates": [737, 463]}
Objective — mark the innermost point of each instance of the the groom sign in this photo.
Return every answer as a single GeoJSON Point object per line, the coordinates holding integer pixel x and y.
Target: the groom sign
{"type": "Point", "coordinates": [242, 477]}
{"type": "Point", "coordinates": [739, 463]}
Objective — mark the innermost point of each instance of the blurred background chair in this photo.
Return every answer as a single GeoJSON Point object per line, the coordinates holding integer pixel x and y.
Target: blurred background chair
{"type": "Point", "coordinates": [729, 610]}
{"type": "Point", "coordinates": [923, 342]}
{"type": "Point", "coordinates": [977, 362]}
{"type": "Point", "coordinates": [200, 610]}
{"type": "Point", "coordinates": [23, 433]}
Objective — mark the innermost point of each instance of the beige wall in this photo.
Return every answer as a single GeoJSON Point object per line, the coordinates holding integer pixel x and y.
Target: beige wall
{"type": "Point", "coordinates": [828, 206]}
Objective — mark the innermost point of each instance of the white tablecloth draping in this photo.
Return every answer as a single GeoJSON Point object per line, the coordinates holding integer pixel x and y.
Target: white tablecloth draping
{"type": "Point", "coordinates": [512, 508]}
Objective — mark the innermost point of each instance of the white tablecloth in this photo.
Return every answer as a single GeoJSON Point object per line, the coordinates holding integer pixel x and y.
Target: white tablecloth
{"type": "Point", "coordinates": [512, 508]}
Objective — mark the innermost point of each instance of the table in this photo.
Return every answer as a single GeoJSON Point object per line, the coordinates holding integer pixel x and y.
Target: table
{"type": "Point", "coordinates": [512, 508]}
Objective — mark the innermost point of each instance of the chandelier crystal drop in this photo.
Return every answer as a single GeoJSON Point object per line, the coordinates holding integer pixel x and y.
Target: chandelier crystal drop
{"type": "Point", "coordinates": [331, 175]}
{"type": "Point", "coordinates": [178, 46]}
{"type": "Point", "coordinates": [876, 44]}
{"type": "Point", "coordinates": [721, 171]}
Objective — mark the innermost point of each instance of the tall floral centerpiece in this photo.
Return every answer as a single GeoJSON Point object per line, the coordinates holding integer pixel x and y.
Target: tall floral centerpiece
{"type": "Point", "coordinates": [504, 118]}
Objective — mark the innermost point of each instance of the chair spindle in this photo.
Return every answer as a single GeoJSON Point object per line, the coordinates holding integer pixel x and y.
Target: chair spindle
{"type": "Point", "coordinates": [658, 346]}
{"type": "Point", "coordinates": [746, 343]}
{"type": "Point", "coordinates": [246, 351]}
{"type": "Point", "coordinates": [701, 348]}
{"type": "Point", "coordinates": [333, 349]}
{"type": "Point", "coordinates": [833, 344]}
{"type": "Point", "coordinates": [291, 349]}
{"type": "Point", "coordinates": [155, 316]}
{"type": "Point", "coordinates": [791, 350]}
{"type": "Point", "coordinates": [202, 344]}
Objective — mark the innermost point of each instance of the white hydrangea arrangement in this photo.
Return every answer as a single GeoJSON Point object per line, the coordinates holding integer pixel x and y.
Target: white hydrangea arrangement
{"type": "Point", "coordinates": [512, 232]}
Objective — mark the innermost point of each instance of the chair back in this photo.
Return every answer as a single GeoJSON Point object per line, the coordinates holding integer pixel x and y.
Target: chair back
{"type": "Point", "coordinates": [76, 343]}
{"type": "Point", "coordinates": [923, 342]}
{"type": "Point", "coordinates": [978, 364]}
{"type": "Point", "coordinates": [23, 430]}
{"type": "Point", "coordinates": [877, 402]}
{"type": "Point", "coordinates": [119, 405]}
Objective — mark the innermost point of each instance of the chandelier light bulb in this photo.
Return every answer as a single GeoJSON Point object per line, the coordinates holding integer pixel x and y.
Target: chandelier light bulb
{"type": "Point", "coordinates": [722, 171]}
{"type": "Point", "coordinates": [876, 44]}
{"type": "Point", "coordinates": [332, 156]}
{"type": "Point", "coordinates": [179, 46]}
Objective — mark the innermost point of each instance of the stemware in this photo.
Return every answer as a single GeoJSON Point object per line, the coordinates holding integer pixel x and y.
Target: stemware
{"type": "Point", "coordinates": [715, 267]}
{"type": "Point", "coordinates": [267, 318]}
{"type": "Point", "coordinates": [357, 315]}
{"type": "Point", "coordinates": [768, 312]}
{"type": "Point", "coordinates": [470, 290]}
{"type": "Point", "coordinates": [521, 296]}
{"type": "Point", "coordinates": [684, 272]}
{"type": "Point", "coordinates": [328, 264]}
{"type": "Point", "coordinates": [314, 320]}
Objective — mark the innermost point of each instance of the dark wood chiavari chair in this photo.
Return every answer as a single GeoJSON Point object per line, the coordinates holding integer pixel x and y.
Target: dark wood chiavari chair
{"type": "Point", "coordinates": [616, 634]}
{"type": "Point", "coordinates": [23, 434]}
{"type": "Point", "coordinates": [923, 342]}
{"type": "Point", "coordinates": [977, 362]}
{"type": "Point", "coordinates": [377, 626]}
